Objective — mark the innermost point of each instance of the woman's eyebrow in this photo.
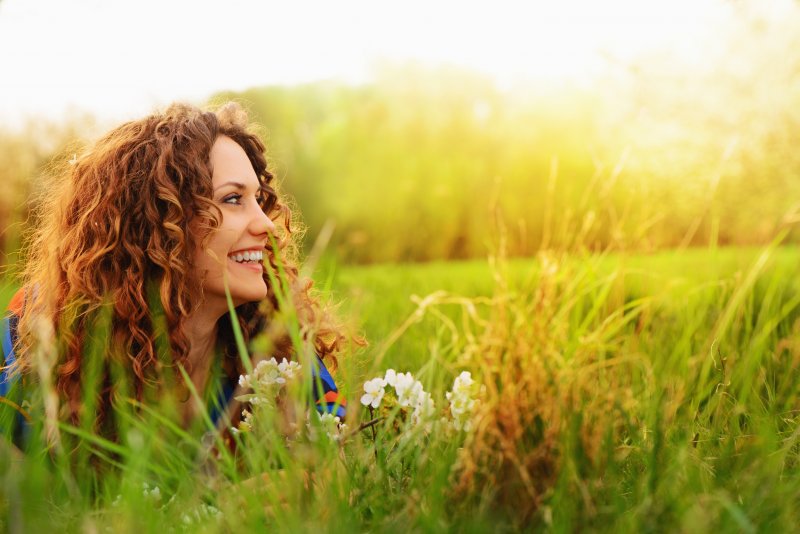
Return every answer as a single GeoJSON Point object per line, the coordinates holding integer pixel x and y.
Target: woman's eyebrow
{"type": "Point", "coordinates": [241, 187]}
{"type": "Point", "coordinates": [237, 185]}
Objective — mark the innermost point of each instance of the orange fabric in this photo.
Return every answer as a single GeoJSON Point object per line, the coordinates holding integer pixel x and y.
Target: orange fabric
{"type": "Point", "coordinates": [334, 396]}
{"type": "Point", "coordinates": [17, 302]}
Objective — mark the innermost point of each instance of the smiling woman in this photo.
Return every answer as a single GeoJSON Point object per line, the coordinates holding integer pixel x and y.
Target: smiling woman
{"type": "Point", "coordinates": [243, 233]}
{"type": "Point", "coordinates": [162, 218]}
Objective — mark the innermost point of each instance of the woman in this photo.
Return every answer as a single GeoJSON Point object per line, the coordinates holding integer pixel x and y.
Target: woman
{"type": "Point", "coordinates": [149, 225]}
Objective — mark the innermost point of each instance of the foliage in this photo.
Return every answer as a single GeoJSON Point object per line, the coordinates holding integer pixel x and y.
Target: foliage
{"type": "Point", "coordinates": [648, 156]}
{"type": "Point", "coordinates": [633, 162]}
{"type": "Point", "coordinates": [622, 393]}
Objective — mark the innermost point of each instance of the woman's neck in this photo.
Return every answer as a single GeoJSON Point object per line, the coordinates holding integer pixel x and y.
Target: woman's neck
{"type": "Point", "coordinates": [200, 329]}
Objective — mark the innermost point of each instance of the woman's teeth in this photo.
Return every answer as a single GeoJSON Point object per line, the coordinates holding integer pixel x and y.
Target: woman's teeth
{"type": "Point", "coordinates": [249, 256]}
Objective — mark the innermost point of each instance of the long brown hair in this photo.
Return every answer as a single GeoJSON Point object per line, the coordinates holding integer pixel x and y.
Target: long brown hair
{"type": "Point", "coordinates": [117, 221]}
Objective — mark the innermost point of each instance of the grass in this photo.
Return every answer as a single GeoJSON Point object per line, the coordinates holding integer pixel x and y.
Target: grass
{"type": "Point", "coordinates": [622, 393]}
{"type": "Point", "coordinates": [379, 298]}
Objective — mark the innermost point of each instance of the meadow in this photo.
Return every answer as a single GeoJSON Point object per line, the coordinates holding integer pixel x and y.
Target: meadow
{"type": "Point", "coordinates": [621, 392]}
{"type": "Point", "coordinates": [615, 265]}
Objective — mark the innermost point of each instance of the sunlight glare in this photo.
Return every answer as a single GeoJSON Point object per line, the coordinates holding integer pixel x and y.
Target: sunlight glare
{"type": "Point", "coordinates": [119, 59]}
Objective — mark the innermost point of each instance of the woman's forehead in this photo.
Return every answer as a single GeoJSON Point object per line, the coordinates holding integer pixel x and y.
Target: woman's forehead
{"type": "Point", "coordinates": [229, 163]}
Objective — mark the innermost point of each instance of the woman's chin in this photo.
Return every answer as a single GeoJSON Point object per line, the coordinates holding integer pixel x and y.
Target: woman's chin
{"type": "Point", "coordinates": [249, 295]}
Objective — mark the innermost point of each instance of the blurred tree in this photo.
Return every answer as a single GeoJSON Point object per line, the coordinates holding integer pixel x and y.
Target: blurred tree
{"type": "Point", "coordinates": [424, 163]}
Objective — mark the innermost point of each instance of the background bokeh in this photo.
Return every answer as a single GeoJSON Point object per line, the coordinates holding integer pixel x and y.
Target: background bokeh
{"type": "Point", "coordinates": [420, 160]}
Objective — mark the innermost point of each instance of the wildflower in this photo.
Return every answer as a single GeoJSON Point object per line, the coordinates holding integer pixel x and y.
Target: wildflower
{"type": "Point", "coordinates": [424, 407]}
{"type": "Point", "coordinates": [246, 424]}
{"type": "Point", "coordinates": [407, 389]}
{"type": "Point", "coordinates": [331, 425]}
{"type": "Point", "coordinates": [152, 494]}
{"type": "Point", "coordinates": [373, 392]}
{"type": "Point", "coordinates": [462, 405]}
{"type": "Point", "coordinates": [288, 369]}
{"type": "Point", "coordinates": [270, 372]}
{"type": "Point", "coordinates": [268, 377]}
{"type": "Point", "coordinates": [200, 515]}
{"type": "Point", "coordinates": [390, 378]}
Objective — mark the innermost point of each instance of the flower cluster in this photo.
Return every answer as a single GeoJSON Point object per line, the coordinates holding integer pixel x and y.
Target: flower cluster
{"type": "Point", "coordinates": [200, 515]}
{"type": "Point", "coordinates": [416, 405]}
{"type": "Point", "coordinates": [331, 425]}
{"type": "Point", "coordinates": [152, 494]}
{"type": "Point", "coordinates": [462, 403]}
{"type": "Point", "coordinates": [409, 393]}
{"type": "Point", "coordinates": [266, 381]}
{"type": "Point", "coordinates": [246, 424]}
{"type": "Point", "coordinates": [269, 373]}
{"type": "Point", "coordinates": [267, 378]}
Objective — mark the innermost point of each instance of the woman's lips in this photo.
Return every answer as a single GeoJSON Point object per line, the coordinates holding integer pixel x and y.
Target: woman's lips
{"type": "Point", "coordinates": [254, 267]}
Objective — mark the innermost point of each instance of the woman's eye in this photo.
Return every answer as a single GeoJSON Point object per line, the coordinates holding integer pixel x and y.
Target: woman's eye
{"type": "Point", "coordinates": [232, 199]}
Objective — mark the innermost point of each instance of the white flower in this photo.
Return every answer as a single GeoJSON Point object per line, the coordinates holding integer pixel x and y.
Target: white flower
{"type": "Point", "coordinates": [411, 394]}
{"type": "Point", "coordinates": [201, 514]}
{"type": "Point", "coordinates": [464, 380]}
{"type": "Point", "coordinates": [246, 423]}
{"type": "Point", "coordinates": [462, 405]}
{"type": "Point", "coordinates": [244, 381]}
{"type": "Point", "coordinates": [288, 369]}
{"type": "Point", "coordinates": [390, 378]}
{"type": "Point", "coordinates": [153, 494]}
{"type": "Point", "coordinates": [402, 384]}
{"type": "Point", "coordinates": [424, 407]}
{"type": "Point", "coordinates": [332, 426]}
{"type": "Point", "coordinates": [373, 392]}
{"type": "Point", "coordinates": [268, 372]}
{"type": "Point", "coordinates": [267, 378]}
{"type": "Point", "coordinates": [407, 389]}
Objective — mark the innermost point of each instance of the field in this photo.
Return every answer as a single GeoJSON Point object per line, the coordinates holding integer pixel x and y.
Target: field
{"type": "Point", "coordinates": [591, 283]}
{"type": "Point", "coordinates": [621, 392]}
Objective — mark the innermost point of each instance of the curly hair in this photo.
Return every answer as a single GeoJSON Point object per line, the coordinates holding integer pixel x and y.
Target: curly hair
{"type": "Point", "coordinates": [116, 222]}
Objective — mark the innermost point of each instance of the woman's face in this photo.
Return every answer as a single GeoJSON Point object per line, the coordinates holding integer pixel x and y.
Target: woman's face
{"type": "Point", "coordinates": [235, 250]}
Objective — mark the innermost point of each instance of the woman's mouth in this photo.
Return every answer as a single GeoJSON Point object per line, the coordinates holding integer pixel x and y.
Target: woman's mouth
{"type": "Point", "coordinates": [248, 259]}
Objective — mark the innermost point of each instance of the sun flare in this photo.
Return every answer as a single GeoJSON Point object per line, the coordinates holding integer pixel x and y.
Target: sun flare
{"type": "Point", "coordinates": [541, 41]}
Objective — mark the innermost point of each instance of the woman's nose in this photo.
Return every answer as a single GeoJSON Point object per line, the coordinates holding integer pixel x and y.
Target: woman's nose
{"type": "Point", "coordinates": [260, 223]}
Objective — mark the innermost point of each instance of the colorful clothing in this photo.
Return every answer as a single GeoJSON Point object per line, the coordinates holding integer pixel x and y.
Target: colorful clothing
{"type": "Point", "coordinates": [10, 323]}
{"type": "Point", "coordinates": [327, 398]}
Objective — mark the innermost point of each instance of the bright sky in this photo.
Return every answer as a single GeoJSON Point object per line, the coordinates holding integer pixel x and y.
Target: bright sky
{"type": "Point", "coordinates": [119, 59]}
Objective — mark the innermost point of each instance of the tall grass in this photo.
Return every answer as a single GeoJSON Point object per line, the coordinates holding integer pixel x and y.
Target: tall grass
{"type": "Point", "coordinates": [609, 404]}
